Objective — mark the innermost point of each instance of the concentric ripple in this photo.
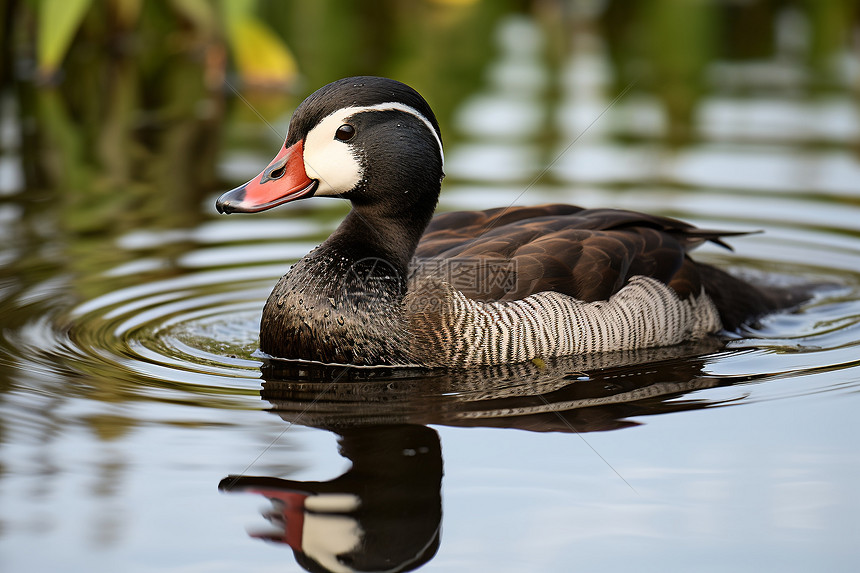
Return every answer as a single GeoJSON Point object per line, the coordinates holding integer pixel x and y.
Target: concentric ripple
{"type": "Point", "coordinates": [200, 328]}
{"type": "Point", "coordinates": [170, 339]}
{"type": "Point", "coordinates": [183, 331]}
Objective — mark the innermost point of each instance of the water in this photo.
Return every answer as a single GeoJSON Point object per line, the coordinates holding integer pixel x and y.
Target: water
{"type": "Point", "coordinates": [131, 389]}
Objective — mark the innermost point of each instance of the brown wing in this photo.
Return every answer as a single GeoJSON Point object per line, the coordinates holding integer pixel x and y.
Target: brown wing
{"type": "Point", "coordinates": [449, 231]}
{"type": "Point", "coordinates": [508, 254]}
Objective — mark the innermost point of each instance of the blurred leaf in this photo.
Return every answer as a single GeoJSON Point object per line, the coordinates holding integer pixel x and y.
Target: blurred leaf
{"type": "Point", "coordinates": [200, 13]}
{"type": "Point", "coordinates": [235, 10]}
{"type": "Point", "coordinates": [261, 57]}
{"type": "Point", "coordinates": [681, 36]}
{"type": "Point", "coordinates": [58, 20]}
{"type": "Point", "coordinates": [831, 28]}
{"type": "Point", "coordinates": [458, 3]}
{"type": "Point", "coordinates": [127, 12]}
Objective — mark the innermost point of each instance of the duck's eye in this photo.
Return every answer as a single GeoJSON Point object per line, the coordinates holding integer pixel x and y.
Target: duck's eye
{"type": "Point", "coordinates": [344, 132]}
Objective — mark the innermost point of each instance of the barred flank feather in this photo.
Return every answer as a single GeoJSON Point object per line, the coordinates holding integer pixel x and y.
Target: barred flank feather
{"type": "Point", "coordinates": [452, 330]}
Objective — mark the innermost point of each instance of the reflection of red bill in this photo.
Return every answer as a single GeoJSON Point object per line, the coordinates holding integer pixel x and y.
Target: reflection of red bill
{"type": "Point", "coordinates": [292, 507]}
{"type": "Point", "coordinates": [282, 181]}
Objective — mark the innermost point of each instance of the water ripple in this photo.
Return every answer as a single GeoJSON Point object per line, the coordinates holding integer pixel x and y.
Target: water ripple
{"type": "Point", "coordinates": [189, 329]}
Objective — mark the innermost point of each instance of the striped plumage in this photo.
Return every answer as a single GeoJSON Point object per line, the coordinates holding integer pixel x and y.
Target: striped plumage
{"type": "Point", "coordinates": [644, 314]}
{"type": "Point", "coordinates": [391, 286]}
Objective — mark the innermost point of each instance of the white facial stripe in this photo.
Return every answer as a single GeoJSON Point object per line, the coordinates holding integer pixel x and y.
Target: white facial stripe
{"type": "Point", "coordinates": [333, 502]}
{"type": "Point", "coordinates": [333, 162]}
{"type": "Point", "coordinates": [395, 106]}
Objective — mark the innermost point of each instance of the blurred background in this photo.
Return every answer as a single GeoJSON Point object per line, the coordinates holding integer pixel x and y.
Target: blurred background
{"type": "Point", "coordinates": [129, 308]}
{"type": "Point", "coordinates": [119, 108]}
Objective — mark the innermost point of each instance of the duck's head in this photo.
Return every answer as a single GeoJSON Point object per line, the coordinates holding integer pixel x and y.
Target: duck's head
{"type": "Point", "coordinates": [371, 140]}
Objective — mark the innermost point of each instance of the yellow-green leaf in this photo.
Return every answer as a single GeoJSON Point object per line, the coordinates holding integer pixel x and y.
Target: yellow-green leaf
{"type": "Point", "coordinates": [58, 20]}
{"type": "Point", "coordinates": [261, 56]}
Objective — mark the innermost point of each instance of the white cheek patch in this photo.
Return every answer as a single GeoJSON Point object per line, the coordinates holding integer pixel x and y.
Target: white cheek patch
{"type": "Point", "coordinates": [324, 537]}
{"type": "Point", "coordinates": [329, 160]}
{"type": "Point", "coordinates": [333, 162]}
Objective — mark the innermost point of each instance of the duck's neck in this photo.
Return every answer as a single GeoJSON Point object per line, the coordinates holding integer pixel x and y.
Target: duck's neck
{"type": "Point", "coordinates": [342, 302]}
{"type": "Point", "coordinates": [364, 235]}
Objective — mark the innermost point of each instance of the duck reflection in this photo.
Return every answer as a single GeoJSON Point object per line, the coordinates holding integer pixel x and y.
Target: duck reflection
{"type": "Point", "coordinates": [384, 513]}
{"type": "Point", "coordinates": [586, 393]}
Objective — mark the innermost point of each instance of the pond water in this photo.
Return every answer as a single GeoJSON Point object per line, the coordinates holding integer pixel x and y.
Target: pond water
{"type": "Point", "coordinates": [139, 431]}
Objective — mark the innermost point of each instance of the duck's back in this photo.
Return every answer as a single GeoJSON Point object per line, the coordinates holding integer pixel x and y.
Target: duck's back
{"type": "Point", "coordinates": [508, 254]}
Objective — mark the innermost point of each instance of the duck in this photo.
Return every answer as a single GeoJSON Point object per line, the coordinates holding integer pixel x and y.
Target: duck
{"type": "Point", "coordinates": [395, 286]}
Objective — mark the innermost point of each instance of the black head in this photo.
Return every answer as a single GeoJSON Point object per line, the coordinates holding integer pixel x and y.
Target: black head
{"type": "Point", "coordinates": [372, 140]}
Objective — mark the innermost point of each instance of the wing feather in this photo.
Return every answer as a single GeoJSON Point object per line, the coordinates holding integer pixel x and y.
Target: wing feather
{"type": "Point", "coordinates": [586, 253]}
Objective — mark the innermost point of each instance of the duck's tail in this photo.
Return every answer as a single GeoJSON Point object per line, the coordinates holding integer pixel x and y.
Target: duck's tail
{"type": "Point", "coordinates": [739, 301]}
